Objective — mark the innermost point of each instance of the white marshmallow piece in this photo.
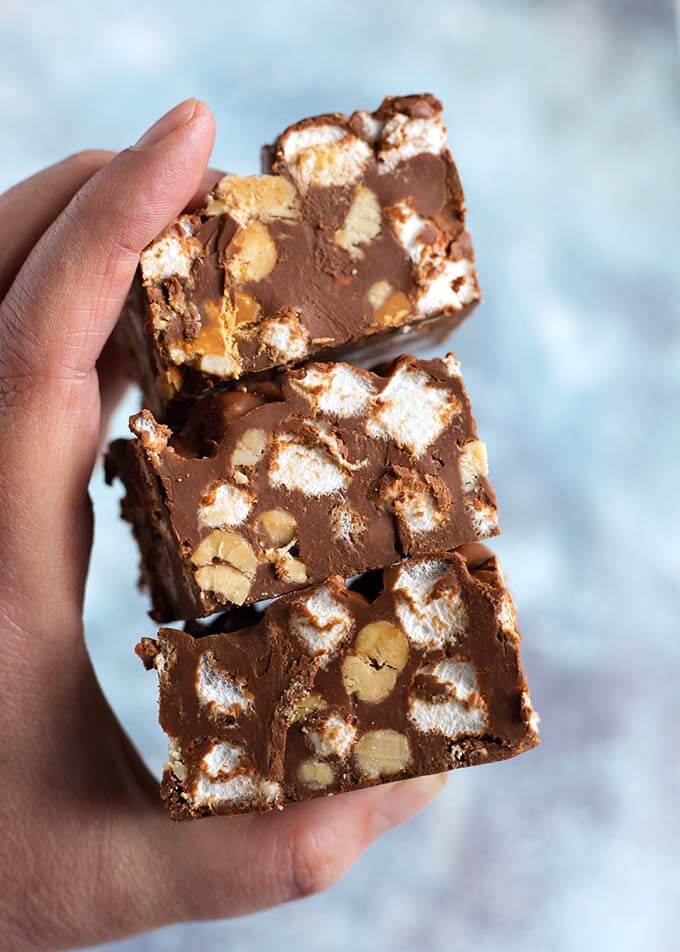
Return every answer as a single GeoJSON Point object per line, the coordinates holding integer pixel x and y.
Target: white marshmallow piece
{"type": "Point", "coordinates": [411, 410]}
{"type": "Point", "coordinates": [437, 291]}
{"type": "Point", "coordinates": [168, 257]}
{"type": "Point", "coordinates": [244, 789]}
{"type": "Point", "coordinates": [335, 737]}
{"type": "Point", "coordinates": [222, 760]}
{"type": "Point", "coordinates": [420, 512]}
{"type": "Point", "coordinates": [472, 463]}
{"type": "Point", "coordinates": [219, 692]}
{"type": "Point", "coordinates": [285, 337]}
{"type": "Point", "coordinates": [403, 138]}
{"type": "Point", "coordinates": [408, 225]}
{"type": "Point", "coordinates": [321, 621]}
{"type": "Point", "coordinates": [484, 517]}
{"type": "Point", "coordinates": [318, 156]}
{"type": "Point", "coordinates": [346, 524]}
{"type": "Point", "coordinates": [463, 714]}
{"type": "Point", "coordinates": [429, 622]}
{"type": "Point", "coordinates": [309, 469]}
{"type": "Point", "coordinates": [229, 506]}
{"type": "Point", "coordinates": [337, 390]}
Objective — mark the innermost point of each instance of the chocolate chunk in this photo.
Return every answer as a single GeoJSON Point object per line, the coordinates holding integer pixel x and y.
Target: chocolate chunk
{"type": "Point", "coordinates": [210, 419]}
{"type": "Point", "coordinates": [475, 554]}
{"type": "Point", "coordinates": [329, 692]}
{"type": "Point", "coordinates": [348, 471]}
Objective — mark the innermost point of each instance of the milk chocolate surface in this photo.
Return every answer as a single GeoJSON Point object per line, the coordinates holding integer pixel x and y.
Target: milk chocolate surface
{"type": "Point", "coordinates": [334, 689]}
{"type": "Point", "coordinates": [356, 231]}
{"type": "Point", "coordinates": [336, 472]}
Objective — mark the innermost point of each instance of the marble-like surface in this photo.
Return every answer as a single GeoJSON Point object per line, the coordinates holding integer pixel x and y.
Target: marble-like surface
{"type": "Point", "coordinates": [564, 120]}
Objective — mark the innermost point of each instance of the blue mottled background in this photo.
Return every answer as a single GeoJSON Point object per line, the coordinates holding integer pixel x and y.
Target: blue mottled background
{"type": "Point", "coordinates": [563, 117]}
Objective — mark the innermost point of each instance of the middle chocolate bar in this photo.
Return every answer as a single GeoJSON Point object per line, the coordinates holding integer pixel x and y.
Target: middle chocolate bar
{"type": "Point", "coordinates": [335, 471]}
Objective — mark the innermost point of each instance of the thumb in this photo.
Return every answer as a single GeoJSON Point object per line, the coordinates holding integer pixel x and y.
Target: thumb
{"type": "Point", "coordinates": [54, 322]}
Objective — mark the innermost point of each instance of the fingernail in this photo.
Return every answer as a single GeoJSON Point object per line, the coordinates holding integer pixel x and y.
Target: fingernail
{"type": "Point", "coordinates": [404, 799]}
{"type": "Point", "coordinates": [168, 123]}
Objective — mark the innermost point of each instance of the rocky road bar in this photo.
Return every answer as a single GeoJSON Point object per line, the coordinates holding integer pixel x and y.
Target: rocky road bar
{"type": "Point", "coordinates": [416, 671]}
{"type": "Point", "coordinates": [334, 472]}
{"type": "Point", "coordinates": [354, 236]}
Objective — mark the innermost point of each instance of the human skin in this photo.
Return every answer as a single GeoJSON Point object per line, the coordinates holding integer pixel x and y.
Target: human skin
{"type": "Point", "coordinates": [87, 854]}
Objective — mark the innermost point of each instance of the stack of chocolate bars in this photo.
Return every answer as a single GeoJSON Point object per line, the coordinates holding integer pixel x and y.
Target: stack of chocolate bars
{"type": "Point", "coordinates": [270, 465]}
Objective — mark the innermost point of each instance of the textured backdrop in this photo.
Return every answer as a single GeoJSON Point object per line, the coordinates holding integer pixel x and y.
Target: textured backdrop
{"type": "Point", "coordinates": [563, 117]}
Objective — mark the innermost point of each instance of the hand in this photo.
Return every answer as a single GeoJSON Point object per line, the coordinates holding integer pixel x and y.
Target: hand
{"type": "Point", "coordinates": [87, 852]}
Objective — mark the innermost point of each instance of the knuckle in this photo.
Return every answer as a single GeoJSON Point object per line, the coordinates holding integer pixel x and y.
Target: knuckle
{"type": "Point", "coordinates": [313, 865]}
{"type": "Point", "coordinates": [26, 369]}
{"type": "Point", "coordinates": [19, 350]}
{"type": "Point", "coordinates": [16, 353]}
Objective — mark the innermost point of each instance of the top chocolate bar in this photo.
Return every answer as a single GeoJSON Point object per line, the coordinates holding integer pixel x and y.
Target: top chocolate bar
{"type": "Point", "coordinates": [356, 230]}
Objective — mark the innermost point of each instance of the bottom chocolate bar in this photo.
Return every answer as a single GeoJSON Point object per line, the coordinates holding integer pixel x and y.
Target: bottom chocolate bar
{"type": "Point", "coordinates": [408, 672]}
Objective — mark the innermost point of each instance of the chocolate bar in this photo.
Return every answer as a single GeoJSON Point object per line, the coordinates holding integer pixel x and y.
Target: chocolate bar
{"type": "Point", "coordinates": [356, 232]}
{"type": "Point", "coordinates": [331, 689]}
{"type": "Point", "coordinates": [334, 472]}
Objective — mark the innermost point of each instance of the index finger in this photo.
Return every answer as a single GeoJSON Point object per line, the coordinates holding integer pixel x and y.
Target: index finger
{"type": "Point", "coordinates": [28, 209]}
{"type": "Point", "coordinates": [68, 294]}
{"type": "Point", "coordinates": [54, 322]}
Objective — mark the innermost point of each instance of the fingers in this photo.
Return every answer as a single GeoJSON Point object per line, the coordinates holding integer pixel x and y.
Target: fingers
{"type": "Point", "coordinates": [28, 209]}
{"type": "Point", "coordinates": [62, 306]}
{"type": "Point", "coordinates": [234, 866]}
{"type": "Point", "coordinates": [304, 850]}
{"type": "Point", "coordinates": [111, 368]}
{"type": "Point", "coordinates": [54, 323]}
